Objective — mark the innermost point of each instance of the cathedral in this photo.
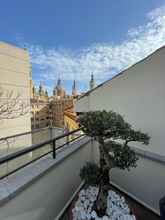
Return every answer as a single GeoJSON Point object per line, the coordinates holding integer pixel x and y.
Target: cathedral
{"type": "Point", "coordinates": [61, 104]}
{"type": "Point", "coordinates": [40, 111]}
{"type": "Point", "coordinates": [56, 110]}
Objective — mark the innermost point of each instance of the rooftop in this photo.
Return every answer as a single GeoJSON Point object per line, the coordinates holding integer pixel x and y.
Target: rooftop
{"type": "Point", "coordinates": [47, 172]}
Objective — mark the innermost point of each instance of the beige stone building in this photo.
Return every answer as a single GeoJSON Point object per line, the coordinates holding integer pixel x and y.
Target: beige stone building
{"type": "Point", "coordinates": [42, 111]}
{"type": "Point", "coordinates": [60, 102]}
{"type": "Point", "coordinates": [52, 111]}
{"type": "Point", "coordinates": [14, 84]}
{"type": "Point", "coordinates": [40, 107]}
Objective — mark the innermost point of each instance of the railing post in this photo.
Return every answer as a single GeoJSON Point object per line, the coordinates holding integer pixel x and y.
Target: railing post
{"type": "Point", "coordinates": [67, 139]}
{"type": "Point", "coordinates": [54, 149]}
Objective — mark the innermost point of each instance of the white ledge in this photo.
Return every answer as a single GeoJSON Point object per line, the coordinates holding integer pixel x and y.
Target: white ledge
{"type": "Point", "coordinates": [17, 182]}
{"type": "Point", "coordinates": [149, 155]}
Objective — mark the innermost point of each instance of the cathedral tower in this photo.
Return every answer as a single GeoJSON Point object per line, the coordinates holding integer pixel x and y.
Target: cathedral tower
{"type": "Point", "coordinates": [74, 91]}
{"type": "Point", "coordinates": [41, 90]}
{"type": "Point", "coordinates": [58, 90]}
{"type": "Point", "coordinates": [92, 82]}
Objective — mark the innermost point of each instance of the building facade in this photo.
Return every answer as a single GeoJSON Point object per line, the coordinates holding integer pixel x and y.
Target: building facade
{"type": "Point", "coordinates": [92, 83]}
{"type": "Point", "coordinates": [14, 85]}
{"type": "Point", "coordinates": [60, 103]}
{"type": "Point", "coordinates": [50, 111]}
{"type": "Point", "coordinates": [40, 111]}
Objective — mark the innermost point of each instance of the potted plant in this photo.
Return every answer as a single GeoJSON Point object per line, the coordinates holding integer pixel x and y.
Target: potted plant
{"type": "Point", "coordinates": [113, 134]}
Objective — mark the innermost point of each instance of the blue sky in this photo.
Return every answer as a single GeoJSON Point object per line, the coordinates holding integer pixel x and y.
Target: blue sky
{"type": "Point", "coordinates": [73, 38]}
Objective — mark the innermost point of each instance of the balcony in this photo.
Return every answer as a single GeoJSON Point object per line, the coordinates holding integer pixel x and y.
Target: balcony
{"type": "Point", "coordinates": [39, 181]}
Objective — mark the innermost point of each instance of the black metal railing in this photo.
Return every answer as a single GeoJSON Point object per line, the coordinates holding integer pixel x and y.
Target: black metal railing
{"type": "Point", "coordinates": [25, 133]}
{"type": "Point", "coordinates": [70, 137]}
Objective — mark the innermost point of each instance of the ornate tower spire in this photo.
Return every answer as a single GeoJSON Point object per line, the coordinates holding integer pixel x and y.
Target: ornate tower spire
{"type": "Point", "coordinates": [58, 90]}
{"type": "Point", "coordinates": [46, 93]}
{"type": "Point", "coordinates": [34, 90]}
{"type": "Point", "coordinates": [59, 83]}
{"type": "Point", "coordinates": [41, 89]}
{"type": "Point", "coordinates": [55, 90]}
{"type": "Point", "coordinates": [74, 91]}
{"type": "Point", "coordinates": [92, 82]}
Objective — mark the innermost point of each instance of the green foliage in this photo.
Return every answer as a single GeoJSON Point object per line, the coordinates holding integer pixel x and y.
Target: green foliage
{"type": "Point", "coordinates": [113, 135]}
{"type": "Point", "coordinates": [90, 173]}
{"type": "Point", "coordinates": [131, 135]}
{"type": "Point", "coordinates": [123, 157]}
{"type": "Point", "coordinates": [110, 125]}
{"type": "Point", "coordinates": [102, 123]}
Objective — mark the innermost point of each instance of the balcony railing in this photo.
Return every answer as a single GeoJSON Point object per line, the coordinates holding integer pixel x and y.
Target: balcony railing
{"type": "Point", "coordinates": [12, 163]}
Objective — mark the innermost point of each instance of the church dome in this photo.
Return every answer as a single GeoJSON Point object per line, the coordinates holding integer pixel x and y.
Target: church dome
{"type": "Point", "coordinates": [58, 90]}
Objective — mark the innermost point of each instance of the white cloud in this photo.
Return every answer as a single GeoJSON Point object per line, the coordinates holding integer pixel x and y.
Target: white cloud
{"type": "Point", "coordinates": [103, 60]}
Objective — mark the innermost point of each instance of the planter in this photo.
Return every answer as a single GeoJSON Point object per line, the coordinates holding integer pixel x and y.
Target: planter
{"type": "Point", "coordinates": [162, 208]}
{"type": "Point", "coordinates": [117, 208]}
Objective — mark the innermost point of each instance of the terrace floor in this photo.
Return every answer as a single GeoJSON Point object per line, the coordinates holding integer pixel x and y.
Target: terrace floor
{"type": "Point", "coordinates": [139, 211]}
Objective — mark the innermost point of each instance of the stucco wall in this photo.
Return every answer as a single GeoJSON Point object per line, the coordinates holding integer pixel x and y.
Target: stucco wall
{"type": "Point", "coordinates": [144, 183]}
{"type": "Point", "coordinates": [138, 94]}
{"type": "Point", "coordinates": [15, 76]}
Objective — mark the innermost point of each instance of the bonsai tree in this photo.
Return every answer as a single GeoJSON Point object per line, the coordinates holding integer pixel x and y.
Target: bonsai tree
{"type": "Point", "coordinates": [90, 173]}
{"type": "Point", "coordinates": [113, 135]}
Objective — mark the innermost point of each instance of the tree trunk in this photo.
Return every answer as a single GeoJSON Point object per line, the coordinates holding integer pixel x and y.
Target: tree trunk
{"type": "Point", "coordinates": [101, 201]}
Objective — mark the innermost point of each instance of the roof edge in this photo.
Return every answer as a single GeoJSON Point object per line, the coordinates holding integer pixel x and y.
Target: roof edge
{"type": "Point", "coordinates": [122, 72]}
{"type": "Point", "coordinates": [12, 45]}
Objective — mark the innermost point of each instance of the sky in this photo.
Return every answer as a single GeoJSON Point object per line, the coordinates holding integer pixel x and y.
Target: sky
{"type": "Point", "coordinates": [71, 39]}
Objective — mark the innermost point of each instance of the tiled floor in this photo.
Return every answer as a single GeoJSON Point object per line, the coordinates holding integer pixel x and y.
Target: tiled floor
{"type": "Point", "coordinates": [140, 211]}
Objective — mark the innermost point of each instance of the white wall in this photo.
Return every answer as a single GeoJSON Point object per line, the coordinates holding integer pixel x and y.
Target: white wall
{"type": "Point", "coordinates": [139, 95]}
{"type": "Point", "coordinates": [15, 77]}
{"type": "Point", "coordinates": [145, 183]}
